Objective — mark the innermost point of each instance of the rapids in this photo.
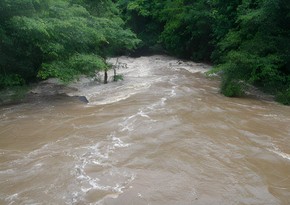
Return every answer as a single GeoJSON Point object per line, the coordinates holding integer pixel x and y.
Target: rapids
{"type": "Point", "coordinates": [163, 135]}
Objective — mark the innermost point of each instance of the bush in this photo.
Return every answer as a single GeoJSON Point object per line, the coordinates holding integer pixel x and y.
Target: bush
{"type": "Point", "coordinates": [118, 77]}
{"type": "Point", "coordinates": [231, 88]}
{"type": "Point", "coordinates": [284, 97]}
{"type": "Point", "coordinates": [10, 80]}
{"type": "Point", "coordinates": [13, 94]}
{"type": "Point", "coordinates": [74, 67]}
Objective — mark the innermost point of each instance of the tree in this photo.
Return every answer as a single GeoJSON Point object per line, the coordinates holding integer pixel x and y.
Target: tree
{"type": "Point", "coordinates": [181, 27]}
{"type": "Point", "coordinates": [143, 18]}
{"type": "Point", "coordinates": [61, 38]}
{"type": "Point", "coordinates": [187, 32]}
{"type": "Point", "coordinates": [248, 40]}
{"type": "Point", "coordinates": [254, 50]}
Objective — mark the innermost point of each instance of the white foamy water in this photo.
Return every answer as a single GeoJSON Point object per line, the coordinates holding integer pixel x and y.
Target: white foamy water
{"type": "Point", "coordinates": [277, 151]}
{"type": "Point", "coordinates": [164, 135]}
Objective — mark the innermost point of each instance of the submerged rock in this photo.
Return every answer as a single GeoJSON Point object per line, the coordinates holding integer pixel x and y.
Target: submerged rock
{"type": "Point", "coordinates": [83, 99]}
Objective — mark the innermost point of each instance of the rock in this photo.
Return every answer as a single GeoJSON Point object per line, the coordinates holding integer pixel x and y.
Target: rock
{"type": "Point", "coordinates": [83, 99]}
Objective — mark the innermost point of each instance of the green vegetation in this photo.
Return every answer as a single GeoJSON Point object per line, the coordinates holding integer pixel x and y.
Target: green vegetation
{"type": "Point", "coordinates": [61, 38]}
{"type": "Point", "coordinates": [248, 41]}
{"type": "Point", "coordinates": [118, 77]}
{"type": "Point", "coordinates": [13, 94]}
{"type": "Point", "coordinates": [256, 50]}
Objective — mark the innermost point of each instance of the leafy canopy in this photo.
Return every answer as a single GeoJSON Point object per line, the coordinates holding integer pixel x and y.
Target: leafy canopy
{"type": "Point", "coordinates": [61, 38]}
{"type": "Point", "coordinates": [247, 40]}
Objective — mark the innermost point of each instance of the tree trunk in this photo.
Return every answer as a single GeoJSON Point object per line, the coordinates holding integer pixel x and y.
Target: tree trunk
{"type": "Point", "coordinates": [115, 74]}
{"type": "Point", "coordinates": [106, 77]}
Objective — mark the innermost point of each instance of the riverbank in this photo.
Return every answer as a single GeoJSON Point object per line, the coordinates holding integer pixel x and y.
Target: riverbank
{"type": "Point", "coordinates": [54, 89]}
{"type": "Point", "coordinates": [81, 90]}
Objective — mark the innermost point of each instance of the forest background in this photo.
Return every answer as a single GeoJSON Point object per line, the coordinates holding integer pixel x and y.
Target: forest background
{"type": "Point", "coordinates": [247, 41]}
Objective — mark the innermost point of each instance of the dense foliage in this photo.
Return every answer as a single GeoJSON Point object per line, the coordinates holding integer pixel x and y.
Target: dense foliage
{"type": "Point", "coordinates": [256, 49]}
{"type": "Point", "coordinates": [183, 28]}
{"type": "Point", "coordinates": [247, 40]}
{"type": "Point", "coordinates": [60, 38]}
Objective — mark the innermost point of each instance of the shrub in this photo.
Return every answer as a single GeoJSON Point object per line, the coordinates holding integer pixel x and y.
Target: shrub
{"type": "Point", "coordinates": [284, 97]}
{"type": "Point", "coordinates": [231, 88]}
{"type": "Point", "coordinates": [118, 77]}
{"type": "Point", "coordinates": [10, 80]}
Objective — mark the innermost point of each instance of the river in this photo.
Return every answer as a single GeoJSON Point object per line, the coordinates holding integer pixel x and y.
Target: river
{"type": "Point", "coordinates": [163, 135]}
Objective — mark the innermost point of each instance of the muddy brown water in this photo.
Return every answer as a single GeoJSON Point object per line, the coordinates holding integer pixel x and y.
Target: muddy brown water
{"type": "Point", "coordinates": [164, 135]}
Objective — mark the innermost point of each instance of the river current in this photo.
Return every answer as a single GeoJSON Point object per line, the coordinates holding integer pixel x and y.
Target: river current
{"type": "Point", "coordinates": [163, 135]}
